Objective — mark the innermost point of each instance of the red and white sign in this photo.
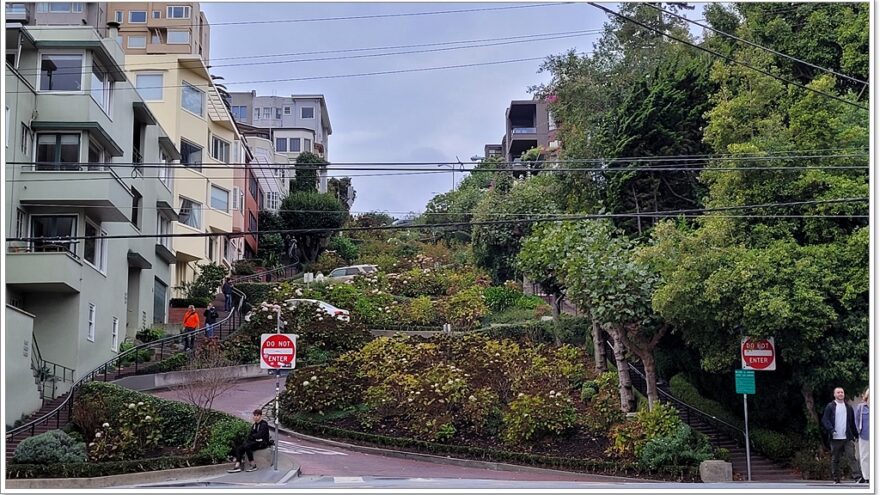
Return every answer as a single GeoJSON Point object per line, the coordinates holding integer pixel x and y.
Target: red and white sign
{"type": "Point", "coordinates": [758, 354]}
{"type": "Point", "coordinates": [277, 351]}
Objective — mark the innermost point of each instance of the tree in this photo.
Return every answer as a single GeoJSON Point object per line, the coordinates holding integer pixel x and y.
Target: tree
{"type": "Point", "coordinates": [602, 273]}
{"type": "Point", "coordinates": [306, 177]}
{"type": "Point", "coordinates": [208, 377]}
{"type": "Point", "coordinates": [339, 188]}
{"type": "Point", "coordinates": [272, 245]}
{"type": "Point", "coordinates": [311, 210]}
{"type": "Point", "coordinates": [496, 245]}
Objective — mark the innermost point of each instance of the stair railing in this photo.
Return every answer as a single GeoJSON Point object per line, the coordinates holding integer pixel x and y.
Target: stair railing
{"type": "Point", "coordinates": [119, 367]}
{"type": "Point", "coordinates": [279, 273]}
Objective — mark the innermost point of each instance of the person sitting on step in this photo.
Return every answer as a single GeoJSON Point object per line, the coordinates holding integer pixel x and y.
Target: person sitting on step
{"type": "Point", "coordinates": [257, 439]}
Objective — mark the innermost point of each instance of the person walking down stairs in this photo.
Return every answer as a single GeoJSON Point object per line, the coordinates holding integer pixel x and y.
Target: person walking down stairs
{"type": "Point", "coordinates": [190, 323]}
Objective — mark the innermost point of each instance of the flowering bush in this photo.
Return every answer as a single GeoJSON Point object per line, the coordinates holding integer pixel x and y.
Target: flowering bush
{"type": "Point", "coordinates": [421, 311]}
{"type": "Point", "coordinates": [135, 431]}
{"type": "Point", "coordinates": [326, 262]}
{"type": "Point", "coordinates": [530, 416]}
{"type": "Point", "coordinates": [467, 308]}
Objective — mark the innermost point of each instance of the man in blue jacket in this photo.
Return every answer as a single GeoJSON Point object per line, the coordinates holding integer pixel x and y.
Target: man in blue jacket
{"type": "Point", "coordinates": [838, 421]}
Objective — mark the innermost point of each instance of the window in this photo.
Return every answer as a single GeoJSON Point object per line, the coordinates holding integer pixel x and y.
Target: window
{"type": "Point", "coordinates": [11, 58]}
{"type": "Point", "coordinates": [101, 87]}
{"type": "Point", "coordinates": [119, 16]}
{"type": "Point", "coordinates": [281, 144]}
{"type": "Point", "coordinates": [58, 152]}
{"type": "Point", "coordinates": [211, 244]}
{"type": "Point", "coordinates": [193, 99]}
{"type": "Point", "coordinates": [60, 7]}
{"type": "Point", "coordinates": [149, 86]}
{"type": "Point", "coordinates": [308, 112]}
{"type": "Point", "coordinates": [220, 150]}
{"type": "Point", "coordinates": [272, 200]}
{"type": "Point", "coordinates": [190, 213]}
{"type": "Point", "coordinates": [163, 228]}
{"type": "Point", "coordinates": [137, 16]}
{"type": "Point", "coordinates": [278, 113]}
{"type": "Point", "coordinates": [178, 37]}
{"type": "Point", "coordinates": [61, 72]}
{"type": "Point", "coordinates": [294, 145]}
{"type": "Point", "coordinates": [164, 171]}
{"type": "Point", "coordinates": [236, 198]}
{"type": "Point", "coordinates": [91, 335]}
{"type": "Point", "coordinates": [157, 14]}
{"type": "Point", "coordinates": [190, 155]}
{"type": "Point", "coordinates": [267, 112]}
{"type": "Point", "coordinates": [155, 37]}
{"type": "Point", "coordinates": [137, 41]}
{"type": "Point", "coordinates": [53, 226]}
{"type": "Point", "coordinates": [228, 249]}
{"type": "Point", "coordinates": [42, 7]}
{"type": "Point", "coordinates": [551, 124]}
{"type": "Point", "coordinates": [286, 110]}
{"type": "Point", "coordinates": [307, 145]}
{"type": "Point", "coordinates": [254, 187]}
{"type": "Point", "coordinates": [178, 12]}
{"type": "Point", "coordinates": [256, 113]}
{"type": "Point", "coordinates": [20, 223]}
{"type": "Point", "coordinates": [239, 113]}
{"type": "Point", "coordinates": [94, 250]}
{"type": "Point", "coordinates": [252, 223]}
{"type": "Point", "coordinates": [96, 156]}
{"type": "Point", "coordinates": [27, 135]}
{"type": "Point", "coordinates": [114, 337]}
{"type": "Point", "coordinates": [219, 198]}
{"type": "Point", "coordinates": [136, 208]}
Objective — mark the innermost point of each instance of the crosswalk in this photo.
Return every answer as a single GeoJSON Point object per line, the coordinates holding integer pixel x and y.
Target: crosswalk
{"type": "Point", "coordinates": [297, 449]}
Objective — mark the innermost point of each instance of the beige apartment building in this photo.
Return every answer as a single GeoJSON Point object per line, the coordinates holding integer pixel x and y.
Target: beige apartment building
{"type": "Point", "coordinates": [161, 28]}
{"type": "Point", "coordinates": [179, 91]}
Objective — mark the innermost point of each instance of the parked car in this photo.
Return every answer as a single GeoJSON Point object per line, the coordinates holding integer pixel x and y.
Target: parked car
{"type": "Point", "coordinates": [331, 310]}
{"type": "Point", "coordinates": [345, 273]}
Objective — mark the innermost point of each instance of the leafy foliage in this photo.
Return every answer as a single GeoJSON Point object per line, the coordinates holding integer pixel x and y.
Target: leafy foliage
{"type": "Point", "coordinates": [51, 447]}
{"type": "Point", "coordinates": [311, 210]}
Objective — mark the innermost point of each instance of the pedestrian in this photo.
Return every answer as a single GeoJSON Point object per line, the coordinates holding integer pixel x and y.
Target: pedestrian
{"type": "Point", "coordinates": [227, 294]}
{"type": "Point", "coordinates": [257, 439]}
{"type": "Point", "coordinates": [838, 421]}
{"type": "Point", "coordinates": [211, 316]}
{"type": "Point", "coordinates": [863, 425]}
{"type": "Point", "coordinates": [190, 323]}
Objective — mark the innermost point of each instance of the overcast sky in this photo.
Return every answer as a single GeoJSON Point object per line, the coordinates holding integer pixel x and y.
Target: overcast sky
{"type": "Point", "coordinates": [421, 116]}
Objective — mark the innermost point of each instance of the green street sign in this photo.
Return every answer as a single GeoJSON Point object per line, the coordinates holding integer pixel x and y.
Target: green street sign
{"type": "Point", "coordinates": [745, 381]}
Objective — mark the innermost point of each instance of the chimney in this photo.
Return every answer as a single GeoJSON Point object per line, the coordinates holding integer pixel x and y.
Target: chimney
{"type": "Point", "coordinates": [113, 30]}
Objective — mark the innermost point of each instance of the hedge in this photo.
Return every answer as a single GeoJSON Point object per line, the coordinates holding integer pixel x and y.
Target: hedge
{"type": "Point", "coordinates": [571, 330]}
{"type": "Point", "coordinates": [95, 469]}
{"type": "Point", "coordinates": [593, 466]}
{"type": "Point", "coordinates": [184, 302]}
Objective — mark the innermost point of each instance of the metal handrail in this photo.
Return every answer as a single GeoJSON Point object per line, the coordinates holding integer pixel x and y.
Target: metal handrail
{"type": "Point", "coordinates": [260, 275]}
{"type": "Point", "coordinates": [118, 359]}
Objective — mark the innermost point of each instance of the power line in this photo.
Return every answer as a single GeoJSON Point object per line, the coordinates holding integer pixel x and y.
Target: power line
{"type": "Point", "coordinates": [573, 217]}
{"type": "Point", "coordinates": [725, 57]}
{"type": "Point", "coordinates": [175, 65]}
{"type": "Point", "coordinates": [750, 43]}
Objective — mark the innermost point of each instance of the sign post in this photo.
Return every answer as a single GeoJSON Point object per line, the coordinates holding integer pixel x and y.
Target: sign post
{"type": "Point", "coordinates": [277, 351]}
{"type": "Point", "coordinates": [745, 385]}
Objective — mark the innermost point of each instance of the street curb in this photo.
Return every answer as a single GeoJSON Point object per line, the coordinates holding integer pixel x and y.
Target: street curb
{"type": "Point", "coordinates": [167, 475]}
{"type": "Point", "coordinates": [451, 461]}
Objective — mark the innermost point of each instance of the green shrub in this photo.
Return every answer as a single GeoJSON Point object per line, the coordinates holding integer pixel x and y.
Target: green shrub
{"type": "Point", "coordinates": [588, 390]}
{"type": "Point", "coordinates": [244, 267]}
{"type": "Point", "coordinates": [501, 297]}
{"type": "Point", "coordinates": [255, 293]}
{"type": "Point", "coordinates": [466, 308]}
{"type": "Point", "coordinates": [604, 409]}
{"type": "Point", "coordinates": [813, 464]}
{"type": "Point", "coordinates": [529, 302]}
{"type": "Point", "coordinates": [52, 447]}
{"type": "Point", "coordinates": [530, 416]}
{"type": "Point", "coordinates": [776, 446]}
{"type": "Point", "coordinates": [722, 454]}
{"type": "Point", "coordinates": [184, 302]}
{"type": "Point", "coordinates": [421, 311]}
{"type": "Point", "coordinates": [511, 316]}
{"type": "Point", "coordinates": [174, 363]}
{"type": "Point", "coordinates": [327, 262]}
{"type": "Point", "coordinates": [129, 434]}
{"type": "Point", "coordinates": [225, 435]}
{"type": "Point", "coordinates": [344, 247]}
{"type": "Point", "coordinates": [150, 334]}
{"type": "Point", "coordinates": [96, 469]}
{"type": "Point", "coordinates": [684, 447]}
{"type": "Point", "coordinates": [206, 283]}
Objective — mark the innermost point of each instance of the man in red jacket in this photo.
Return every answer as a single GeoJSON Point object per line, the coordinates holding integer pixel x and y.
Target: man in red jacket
{"type": "Point", "coordinates": [190, 323]}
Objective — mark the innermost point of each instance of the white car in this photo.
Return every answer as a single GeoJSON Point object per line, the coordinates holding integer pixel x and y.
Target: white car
{"type": "Point", "coordinates": [331, 310]}
{"type": "Point", "coordinates": [346, 273]}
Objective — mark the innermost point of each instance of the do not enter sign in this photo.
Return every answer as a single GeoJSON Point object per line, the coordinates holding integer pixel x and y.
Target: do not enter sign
{"type": "Point", "coordinates": [758, 354]}
{"type": "Point", "coordinates": [277, 351]}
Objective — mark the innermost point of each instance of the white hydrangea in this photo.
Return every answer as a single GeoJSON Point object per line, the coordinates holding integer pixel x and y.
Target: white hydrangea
{"type": "Point", "coordinates": [306, 383]}
{"type": "Point", "coordinates": [106, 425]}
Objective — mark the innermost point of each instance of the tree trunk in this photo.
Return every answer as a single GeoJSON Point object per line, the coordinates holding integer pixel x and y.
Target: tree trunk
{"type": "Point", "coordinates": [810, 404]}
{"type": "Point", "coordinates": [627, 398]}
{"type": "Point", "coordinates": [650, 378]}
{"type": "Point", "coordinates": [556, 307]}
{"type": "Point", "coordinates": [599, 348]}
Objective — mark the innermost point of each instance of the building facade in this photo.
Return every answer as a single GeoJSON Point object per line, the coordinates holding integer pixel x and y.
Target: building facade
{"type": "Point", "coordinates": [185, 100]}
{"type": "Point", "coordinates": [147, 28]}
{"type": "Point", "coordinates": [77, 138]}
{"type": "Point", "coordinates": [297, 123]}
{"type": "Point", "coordinates": [528, 124]}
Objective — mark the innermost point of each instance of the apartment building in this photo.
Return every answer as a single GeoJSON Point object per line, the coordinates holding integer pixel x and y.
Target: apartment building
{"type": "Point", "coordinates": [297, 123]}
{"type": "Point", "coordinates": [161, 28]}
{"type": "Point", "coordinates": [270, 167]}
{"type": "Point", "coordinates": [77, 137]}
{"type": "Point", "coordinates": [179, 91]}
{"type": "Point", "coordinates": [59, 14]}
{"type": "Point", "coordinates": [528, 124]}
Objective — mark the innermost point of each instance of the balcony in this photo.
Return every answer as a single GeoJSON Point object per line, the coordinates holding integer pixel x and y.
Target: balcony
{"type": "Point", "coordinates": [17, 12]}
{"type": "Point", "coordinates": [163, 48]}
{"type": "Point", "coordinates": [100, 191]}
{"type": "Point", "coordinates": [52, 268]}
{"type": "Point", "coordinates": [524, 130]}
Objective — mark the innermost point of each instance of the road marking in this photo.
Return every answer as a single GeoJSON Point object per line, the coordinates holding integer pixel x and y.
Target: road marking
{"type": "Point", "coordinates": [348, 479]}
{"type": "Point", "coordinates": [293, 448]}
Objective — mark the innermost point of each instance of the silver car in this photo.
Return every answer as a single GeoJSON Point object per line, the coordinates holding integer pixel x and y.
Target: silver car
{"type": "Point", "coordinates": [346, 273]}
